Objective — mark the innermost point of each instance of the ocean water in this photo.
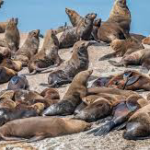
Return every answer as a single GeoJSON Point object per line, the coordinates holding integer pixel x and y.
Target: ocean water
{"type": "Point", "coordinates": [48, 14]}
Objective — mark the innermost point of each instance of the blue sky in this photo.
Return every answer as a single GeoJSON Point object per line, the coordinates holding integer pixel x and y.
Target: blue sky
{"type": "Point", "coordinates": [47, 14]}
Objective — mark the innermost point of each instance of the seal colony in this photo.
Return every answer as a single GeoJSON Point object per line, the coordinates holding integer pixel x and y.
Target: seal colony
{"type": "Point", "coordinates": [87, 100]}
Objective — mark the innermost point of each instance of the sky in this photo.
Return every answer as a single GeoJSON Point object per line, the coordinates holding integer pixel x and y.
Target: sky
{"type": "Point", "coordinates": [48, 14]}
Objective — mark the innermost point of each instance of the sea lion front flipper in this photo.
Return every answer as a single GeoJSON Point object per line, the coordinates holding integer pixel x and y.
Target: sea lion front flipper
{"type": "Point", "coordinates": [35, 139]}
{"type": "Point", "coordinates": [132, 80]}
{"type": "Point", "coordinates": [108, 56]}
{"type": "Point", "coordinates": [117, 64]}
{"type": "Point", "coordinates": [105, 129]}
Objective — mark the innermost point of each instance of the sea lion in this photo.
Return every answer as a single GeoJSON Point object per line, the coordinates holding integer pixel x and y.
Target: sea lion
{"type": "Point", "coordinates": [82, 31]}
{"type": "Point", "coordinates": [50, 93]}
{"type": "Point", "coordinates": [77, 63]}
{"type": "Point", "coordinates": [85, 26]}
{"type": "Point", "coordinates": [140, 57]}
{"type": "Point", "coordinates": [121, 113]}
{"type": "Point", "coordinates": [48, 55]}
{"type": "Point", "coordinates": [7, 94]}
{"type": "Point", "coordinates": [29, 48]}
{"type": "Point", "coordinates": [137, 127]}
{"type": "Point", "coordinates": [7, 103]}
{"type": "Point", "coordinates": [18, 82]}
{"type": "Point", "coordinates": [14, 65]}
{"type": "Point", "coordinates": [99, 106]}
{"type": "Point", "coordinates": [123, 48]}
{"type": "Point", "coordinates": [38, 128]}
{"type": "Point", "coordinates": [8, 114]}
{"type": "Point", "coordinates": [6, 74]}
{"type": "Point", "coordinates": [27, 97]}
{"type": "Point", "coordinates": [12, 36]}
{"type": "Point", "coordinates": [146, 40]}
{"type": "Point", "coordinates": [121, 14]}
{"type": "Point", "coordinates": [74, 17]}
{"type": "Point", "coordinates": [72, 98]}
{"type": "Point", "coordinates": [3, 25]}
{"type": "Point", "coordinates": [130, 80]}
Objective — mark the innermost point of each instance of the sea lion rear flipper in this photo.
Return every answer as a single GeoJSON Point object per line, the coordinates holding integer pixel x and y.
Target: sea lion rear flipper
{"type": "Point", "coordinates": [120, 127]}
{"type": "Point", "coordinates": [12, 138]}
{"type": "Point", "coordinates": [111, 55]}
{"type": "Point", "coordinates": [35, 139]}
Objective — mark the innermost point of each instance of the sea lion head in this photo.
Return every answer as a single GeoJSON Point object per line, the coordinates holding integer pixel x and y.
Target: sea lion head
{"type": "Point", "coordinates": [69, 12]}
{"type": "Point", "coordinates": [12, 24]}
{"type": "Point", "coordinates": [97, 110]}
{"type": "Point", "coordinates": [121, 3]}
{"type": "Point", "coordinates": [91, 16]}
{"type": "Point", "coordinates": [18, 82]}
{"type": "Point", "coordinates": [34, 33]}
{"type": "Point", "coordinates": [1, 3]}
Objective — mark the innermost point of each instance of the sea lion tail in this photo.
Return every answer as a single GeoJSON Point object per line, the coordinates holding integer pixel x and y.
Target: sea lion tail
{"type": "Point", "coordinates": [108, 56]}
{"type": "Point", "coordinates": [117, 64]}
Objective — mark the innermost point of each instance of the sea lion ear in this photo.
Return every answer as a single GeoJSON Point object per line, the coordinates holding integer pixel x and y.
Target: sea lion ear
{"type": "Point", "coordinates": [16, 21]}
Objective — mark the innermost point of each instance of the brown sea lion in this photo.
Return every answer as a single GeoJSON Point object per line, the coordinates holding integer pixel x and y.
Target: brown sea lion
{"type": "Point", "coordinates": [3, 26]}
{"type": "Point", "coordinates": [120, 14]}
{"type": "Point", "coordinates": [73, 96]}
{"type": "Point", "coordinates": [121, 113]}
{"type": "Point", "coordinates": [14, 65]}
{"type": "Point", "coordinates": [85, 26]}
{"type": "Point", "coordinates": [12, 36]}
{"type": "Point", "coordinates": [140, 57]}
{"type": "Point", "coordinates": [123, 48]}
{"type": "Point", "coordinates": [137, 127]}
{"type": "Point", "coordinates": [74, 17]}
{"type": "Point", "coordinates": [82, 31]}
{"type": "Point", "coordinates": [77, 63]}
{"type": "Point", "coordinates": [38, 128]}
{"type": "Point", "coordinates": [26, 97]}
{"type": "Point", "coordinates": [29, 48]}
{"type": "Point", "coordinates": [6, 74]}
{"type": "Point", "coordinates": [100, 107]}
{"type": "Point", "coordinates": [146, 40]}
{"type": "Point", "coordinates": [48, 55]}
{"type": "Point", "coordinates": [18, 82]}
{"type": "Point", "coordinates": [7, 103]}
{"type": "Point", "coordinates": [50, 93]}
{"type": "Point", "coordinates": [130, 80]}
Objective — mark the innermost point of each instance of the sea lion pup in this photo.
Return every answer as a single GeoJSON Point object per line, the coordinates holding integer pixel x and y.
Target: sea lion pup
{"type": "Point", "coordinates": [27, 97]}
{"type": "Point", "coordinates": [146, 40]}
{"type": "Point", "coordinates": [50, 93]}
{"type": "Point", "coordinates": [38, 128]}
{"type": "Point", "coordinates": [140, 57]}
{"type": "Point", "coordinates": [3, 26]}
{"type": "Point", "coordinates": [120, 14]}
{"type": "Point", "coordinates": [6, 74]}
{"type": "Point", "coordinates": [137, 127]}
{"type": "Point", "coordinates": [82, 31]}
{"type": "Point", "coordinates": [67, 71]}
{"type": "Point", "coordinates": [14, 65]}
{"type": "Point", "coordinates": [130, 80]}
{"type": "Point", "coordinates": [74, 17]}
{"type": "Point", "coordinates": [18, 82]}
{"type": "Point", "coordinates": [73, 96]}
{"type": "Point", "coordinates": [48, 55]}
{"type": "Point", "coordinates": [123, 48]}
{"type": "Point", "coordinates": [121, 114]}
{"type": "Point", "coordinates": [12, 36]}
{"type": "Point", "coordinates": [29, 48]}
